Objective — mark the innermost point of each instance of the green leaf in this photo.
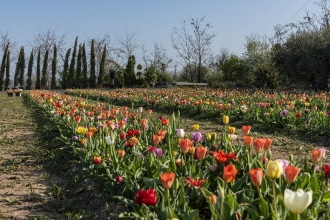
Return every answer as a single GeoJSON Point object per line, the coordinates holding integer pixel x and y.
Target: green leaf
{"type": "Point", "coordinates": [326, 197]}
{"type": "Point", "coordinates": [193, 215]}
{"type": "Point", "coordinates": [253, 213]}
{"type": "Point", "coordinates": [263, 206]}
{"type": "Point", "coordinates": [314, 183]}
{"type": "Point", "coordinates": [239, 183]}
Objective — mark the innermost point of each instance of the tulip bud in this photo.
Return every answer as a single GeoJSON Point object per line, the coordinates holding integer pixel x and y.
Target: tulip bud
{"type": "Point", "coordinates": [225, 119]}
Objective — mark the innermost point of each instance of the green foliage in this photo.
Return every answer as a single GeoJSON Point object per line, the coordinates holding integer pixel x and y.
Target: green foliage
{"type": "Point", "coordinates": [54, 67]}
{"type": "Point", "coordinates": [38, 83]}
{"type": "Point", "coordinates": [7, 79]}
{"type": "Point", "coordinates": [65, 69]}
{"type": "Point", "coordinates": [84, 66]}
{"type": "Point", "coordinates": [79, 67]}
{"type": "Point", "coordinates": [129, 74]}
{"type": "Point", "coordinates": [44, 69]}
{"type": "Point", "coordinates": [92, 77]}
{"type": "Point", "coordinates": [71, 74]}
{"type": "Point", "coordinates": [3, 65]}
{"type": "Point", "coordinates": [19, 71]}
{"type": "Point", "coordinates": [100, 79]}
{"type": "Point", "coordinates": [29, 73]}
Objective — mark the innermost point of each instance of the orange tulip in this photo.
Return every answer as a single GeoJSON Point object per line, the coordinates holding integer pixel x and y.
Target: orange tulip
{"type": "Point", "coordinates": [317, 155]}
{"type": "Point", "coordinates": [229, 173]}
{"type": "Point", "coordinates": [201, 152]}
{"type": "Point", "coordinates": [213, 199]}
{"type": "Point", "coordinates": [258, 144]}
{"type": "Point", "coordinates": [167, 179]}
{"type": "Point", "coordinates": [133, 141]}
{"type": "Point", "coordinates": [157, 138]}
{"type": "Point", "coordinates": [121, 153]}
{"type": "Point", "coordinates": [248, 140]}
{"type": "Point", "coordinates": [267, 144]}
{"type": "Point", "coordinates": [246, 129]}
{"type": "Point", "coordinates": [89, 134]}
{"type": "Point", "coordinates": [144, 123]}
{"type": "Point", "coordinates": [185, 144]}
{"type": "Point", "coordinates": [162, 133]}
{"type": "Point", "coordinates": [291, 173]}
{"type": "Point", "coordinates": [256, 176]}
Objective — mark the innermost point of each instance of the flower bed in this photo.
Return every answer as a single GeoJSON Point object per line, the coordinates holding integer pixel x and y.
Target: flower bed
{"type": "Point", "coordinates": [164, 172]}
{"type": "Point", "coordinates": [308, 113]}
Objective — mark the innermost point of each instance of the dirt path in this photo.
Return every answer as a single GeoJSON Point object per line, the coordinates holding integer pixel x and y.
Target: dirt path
{"type": "Point", "coordinates": [24, 186]}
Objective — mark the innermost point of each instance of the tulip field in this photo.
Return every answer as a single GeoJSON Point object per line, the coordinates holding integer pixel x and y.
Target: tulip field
{"type": "Point", "coordinates": [157, 167]}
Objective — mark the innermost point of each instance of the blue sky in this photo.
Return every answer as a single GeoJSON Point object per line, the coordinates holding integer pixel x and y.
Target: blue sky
{"type": "Point", "coordinates": [232, 20]}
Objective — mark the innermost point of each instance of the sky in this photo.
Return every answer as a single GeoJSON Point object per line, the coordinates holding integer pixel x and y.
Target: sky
{"type": "Point", "coordinates": [231, 20]}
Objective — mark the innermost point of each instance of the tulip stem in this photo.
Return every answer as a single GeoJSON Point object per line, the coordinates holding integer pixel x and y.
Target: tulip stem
{"type": "Point", "coordinates": [274, 200]}
{"type": "Point", "coordinates": [295, 216]}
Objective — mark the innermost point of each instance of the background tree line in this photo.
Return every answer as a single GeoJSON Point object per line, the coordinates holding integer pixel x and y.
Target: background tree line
{"type": "Point", "coordinates": [297, 56]}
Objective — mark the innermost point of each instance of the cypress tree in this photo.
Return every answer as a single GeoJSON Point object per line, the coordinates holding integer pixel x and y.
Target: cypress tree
{"type": "Point", "coordinates": [85, 67]}
{"type": "Point", "coordinates": [65, 69]}
{"type": "Point", "coordinates": [38, 71]}
{"type": "Point", "coordinates": [102, 66]}
{"type": "Point", "coordinates": [21, 68]}
{"type": "Point", "coordinates": [29, 73]}
{"type": "Point", "coordinates": [129, 72]}
{"type": "Point", "coordinates": [44, 70]}
{"type": "Point", "coordinates": [7, 80]}
{"type": "Point", "coordinates": [3, 66]}
{"type": "Point", "coordinates": [18, 68]}
{"type": "Point", "coordinates": [72, 65]}
{"type": "Point", "coordinates": [92, 77]}
{"type": "Point", "coordinates": [79, 64]}
{"type": "Point", "coordinates": [54, 68]}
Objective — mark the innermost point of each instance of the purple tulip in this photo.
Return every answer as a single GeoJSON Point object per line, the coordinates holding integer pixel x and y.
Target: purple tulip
{"type": "Point", "coordinates": [284, 113]}
{"type": "Point", "coordinates": [197, 136]}
{"type": "Point", "coordinates": [158, 152]}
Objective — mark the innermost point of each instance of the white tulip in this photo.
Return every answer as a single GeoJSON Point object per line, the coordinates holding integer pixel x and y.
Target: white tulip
{"type": "Point", "coordinates": [180, 133]}
{"type": "Point", "coordinates": [297, 201]}
{"type": "Point", "coordinates": [108, 140]}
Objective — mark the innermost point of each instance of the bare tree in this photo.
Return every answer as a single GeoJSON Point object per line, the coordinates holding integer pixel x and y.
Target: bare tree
{"type": "Point", "coordinates": [128, 44]}
{"type": "Point", "coordinates": [5, 40]}
{"type": "Point", "coordinates": [159, 57]}
{"type": "Point", "coordinates": [99, 44]}
{"type": "Point", "coordinates": [45, 41]}
{"type": "Point", "coordinates": [193, 46]}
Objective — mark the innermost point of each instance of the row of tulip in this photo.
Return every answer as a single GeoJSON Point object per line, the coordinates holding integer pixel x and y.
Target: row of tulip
{"type": "Point", "coordinates": [307, 112]}
{"type": "Point", "coordinates": [161, 171]}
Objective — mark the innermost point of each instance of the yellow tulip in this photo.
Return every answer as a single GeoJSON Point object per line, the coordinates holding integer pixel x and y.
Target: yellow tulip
{"type": "Point", "coordinates": [231, 130]}
{"type": "Point", "coordinates": [225, 119]}
{"type": "Point", "coordinates": [195, 127]}
{"type": "Point", "coordinates": [273, 169]}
